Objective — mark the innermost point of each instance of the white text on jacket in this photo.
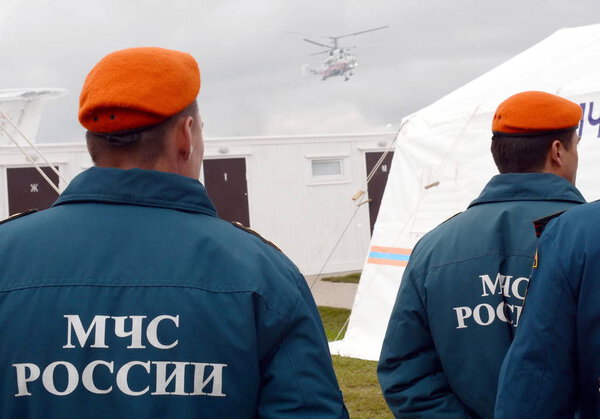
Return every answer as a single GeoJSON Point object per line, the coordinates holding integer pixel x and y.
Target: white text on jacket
{"type": "Point", "coordinates": [485, 314]}
{"type": "Point", "coordinates": [164, 377]}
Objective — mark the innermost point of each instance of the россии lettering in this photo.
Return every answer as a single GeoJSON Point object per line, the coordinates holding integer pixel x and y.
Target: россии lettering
{"type": "Point", "coordinates": [164, 377]}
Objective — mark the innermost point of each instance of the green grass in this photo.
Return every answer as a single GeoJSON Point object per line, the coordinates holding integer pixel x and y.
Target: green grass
{"type": "Point", "coordinates": [362, 394]}
{"type": "Point", "coordinates": [333, 320]}
{"type": "Point", "coordinates": [350, 278]}
{"type": "Point", "coordinates": [357, 378]}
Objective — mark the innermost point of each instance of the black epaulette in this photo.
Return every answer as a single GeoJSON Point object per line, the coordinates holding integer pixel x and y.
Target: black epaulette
{"type": "Point", "coordinates": [18, 215]}
{"type": "Point", "coordinates": [254, 233]}
{"type": "Point", "coordinates": [540, 224]}
{"type": "Point", "coordinates": [448, 219]}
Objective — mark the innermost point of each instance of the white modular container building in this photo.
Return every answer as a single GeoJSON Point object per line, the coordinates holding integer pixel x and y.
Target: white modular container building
{"type": "Point", "coordinates": [303, 193]}
{"type": "Point", "coordinates": [300, 192]}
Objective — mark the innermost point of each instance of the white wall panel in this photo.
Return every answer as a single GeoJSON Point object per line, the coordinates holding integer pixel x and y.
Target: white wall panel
{"type": "Point", "coordinates": [304, 217]}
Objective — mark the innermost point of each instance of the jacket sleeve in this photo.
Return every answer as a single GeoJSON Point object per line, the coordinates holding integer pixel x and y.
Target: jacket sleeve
{"type": "Point", "coordinates": [538, 379]}
{"type": "Point", "coordinates": [298, 379]}
{"type": "Point", "coordinates": [410, 373]}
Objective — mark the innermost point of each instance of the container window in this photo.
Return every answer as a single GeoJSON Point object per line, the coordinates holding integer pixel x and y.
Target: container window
{"type": "Point", "coordinates": [326, 168]}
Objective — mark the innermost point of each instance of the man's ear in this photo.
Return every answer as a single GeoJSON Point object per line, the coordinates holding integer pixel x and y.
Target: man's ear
{"type": "Point", "coordinates": [183, 137]}
{"type": "Point", "coordinates": [556, 153]}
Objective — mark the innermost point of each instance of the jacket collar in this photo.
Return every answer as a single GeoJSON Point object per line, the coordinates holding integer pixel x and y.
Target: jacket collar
{"type": "Point", "coordinates": [138, 187]}
{"type": "Point", "coordinates": [529, 187]}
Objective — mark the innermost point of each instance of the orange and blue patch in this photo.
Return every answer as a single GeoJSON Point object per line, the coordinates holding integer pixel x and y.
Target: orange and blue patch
{"type": "Point", "coordinates": [394, 256]}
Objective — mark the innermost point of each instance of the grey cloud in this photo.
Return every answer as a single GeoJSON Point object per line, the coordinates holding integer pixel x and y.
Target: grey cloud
{"type": "Point", "coordinates": [252, 84]}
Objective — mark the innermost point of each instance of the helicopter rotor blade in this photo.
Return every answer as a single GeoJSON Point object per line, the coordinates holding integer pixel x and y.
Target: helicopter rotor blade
{"type": "Point", "coordinates": [322, 52]}
{"type": "Point", "coordinates": [358, 33]}
{"type": "Point", "coordinates": [316, 43]}
{"type": "Point", "coordinates": [307, 34]}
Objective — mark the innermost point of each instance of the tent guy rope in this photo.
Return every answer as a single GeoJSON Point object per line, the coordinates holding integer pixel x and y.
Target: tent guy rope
{"type": "Point", "coordinates": [347, 225]}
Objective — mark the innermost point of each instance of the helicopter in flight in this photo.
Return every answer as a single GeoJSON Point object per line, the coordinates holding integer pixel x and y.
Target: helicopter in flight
{"type": "Point", "coordinates": [340, 61]}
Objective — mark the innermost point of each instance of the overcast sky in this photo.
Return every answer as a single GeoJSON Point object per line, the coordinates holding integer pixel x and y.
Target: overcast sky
{"type": "Point", "coordinates": [252, 82]}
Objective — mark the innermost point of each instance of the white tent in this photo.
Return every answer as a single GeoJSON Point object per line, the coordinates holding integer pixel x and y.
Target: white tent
{"type": "Point", "coordinates": [442, 161]}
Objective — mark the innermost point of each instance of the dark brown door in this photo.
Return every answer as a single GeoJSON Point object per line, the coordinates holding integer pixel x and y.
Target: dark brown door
{"type": "Point", "coordinates": [225, 181]}
{"type": "Point", "coordinates": [28, 189]}
{"type": "Point", "coordinates": [377, 183]}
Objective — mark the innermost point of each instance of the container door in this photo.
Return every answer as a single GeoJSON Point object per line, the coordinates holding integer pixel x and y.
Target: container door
{"type": "Point", "coordinates": [27, 189]}
{"type": "Point", "coordinates": [225, 181]}
{"type": "Point", "coordinates": [377, 183]}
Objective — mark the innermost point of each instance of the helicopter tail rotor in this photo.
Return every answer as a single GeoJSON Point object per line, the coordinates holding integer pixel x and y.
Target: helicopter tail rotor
{"type": "Point", "coordinates": [306, 71]}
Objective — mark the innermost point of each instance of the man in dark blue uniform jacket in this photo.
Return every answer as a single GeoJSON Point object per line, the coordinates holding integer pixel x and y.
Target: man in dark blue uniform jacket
{"type": "Point", "coordinates": [552, 369]}
{"type": "Point", "coordinates": [461, 295]}
{"type": "Point", "coordinates": [129, 298]}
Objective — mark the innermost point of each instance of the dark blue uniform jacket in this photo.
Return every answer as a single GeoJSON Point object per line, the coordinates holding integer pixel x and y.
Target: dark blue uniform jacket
{"type": "Point", "coordinates": [553, 366]}
{"type": "Point", "coordinates": [129, 298]}
{"type": "Point", "coordinates": [460, 300]}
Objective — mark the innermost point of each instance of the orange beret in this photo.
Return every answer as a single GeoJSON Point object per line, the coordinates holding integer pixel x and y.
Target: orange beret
{"type": "Point", "coordinates": [137, 87]}
{"type": "Point", "coordinates": [535, 113]}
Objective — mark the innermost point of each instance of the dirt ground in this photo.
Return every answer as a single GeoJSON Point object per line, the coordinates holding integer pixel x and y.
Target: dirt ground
{"type": "Point", "coordinates": [332, 294]}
